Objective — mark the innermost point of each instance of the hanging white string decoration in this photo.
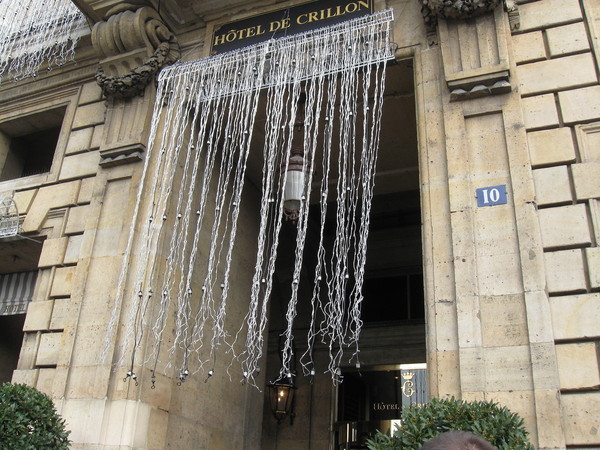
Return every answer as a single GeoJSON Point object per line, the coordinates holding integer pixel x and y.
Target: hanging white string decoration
{"type": "Point", "coordinates": [190, 199]}
{"type": "Point", "coordinates": [37, 32]}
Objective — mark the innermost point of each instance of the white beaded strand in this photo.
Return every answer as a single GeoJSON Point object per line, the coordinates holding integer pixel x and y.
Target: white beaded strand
{"type": "Point", "coordinates": [192, 186]}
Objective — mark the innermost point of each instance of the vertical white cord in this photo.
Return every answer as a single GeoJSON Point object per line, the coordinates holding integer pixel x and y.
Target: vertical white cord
{"type": "Point", "coordinates": [36, 32]}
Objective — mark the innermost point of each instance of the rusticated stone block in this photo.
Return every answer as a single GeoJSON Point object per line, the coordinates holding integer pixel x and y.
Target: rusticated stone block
{"type": "Point", "coordinates": [557, 74]}
{"type": "Point", "coordinates": [565, 271]}
{"type": "Point", "coordinates": [38, 316]}
{"type": "Point", "coordinates": [45, 381]}
{"type": "Point", "coordinates": [27, 376]}
{"type": "Point", "coordinates": [79, 141]}
{"type": "Point", "coordinates": [565, 226]}
{"type": "Point", "coordinates": [585, 179]}
{"type": "Point", "coordinates": [53, 252]}
{"type": "Point", "coordinates": [580, 418]}
{"type": "Point", "coordinates": [518, 401]}
{"type": "Point", "coordinates": [73, 247]}
{"type": "Point", "coordinates": [540, 111]}
{"type": "Point", "coordinates": [577, 365]}
{"type": "Point", "coordinates": [90, 93]}
{"type": "Point", "coordinates": [481, 372]}
{"type": "Point", "coordinates": [86, 191]}
{"type": "Point", "coordinates": [77, 219]}
{"type": "Point", "coordinates": [552, 185]}
{"type": "Point", "coordinates": [63, 282]}
{"type": "Point", "coordinates": [82, 416]}
{"type": "Point", "coordinates": [23, 200]}
{"type": "Point", "coordinates": [98, 136]}
{"type": "Point", "coordinates": [537, 15]}
{"type": "Point", "coordinates": [551, 146]}
{"type": "Point", "coordinates": [49, 349]}
{"type": "Point", "coordinates": [529, 47]}
{"type": "Point", "coordinates": [576, 316]}
{"type": "Point", "coordinates": [538, 317]}
{"type": "Point", "coordinates": [567, 39]}
{"type": "Point", "coordinates": [549, 422]}
{"type": "Point", "coordinates": [89, 115]}
{"type": "Point", "coordinates": [516, 373]}
{"type": "Point", "coordinates": [62, 314]}
{"type": "Point", "coordinates": [503, 320]}
{"type": "Point", "coordinates": [80, 165]}
{"type": "Point", "coordinates": [580, 104]}
{"type": "Point", "coordinates": [588, 136]}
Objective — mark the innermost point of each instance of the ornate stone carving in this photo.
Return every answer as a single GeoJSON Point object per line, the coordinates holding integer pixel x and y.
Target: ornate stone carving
{"type": "Point", "coordinates": [135, 81]}
{"type": "Point", "coordinates": [135, 44]}
{"type": "Point", "coordinates": [433, 10]}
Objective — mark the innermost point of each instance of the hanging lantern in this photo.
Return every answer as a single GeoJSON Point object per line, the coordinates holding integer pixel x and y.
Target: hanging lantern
{"type": "Point", "coordinates": [297, 169]}
{"type": "Point", "coordinates": [294, 195]}
{"type": "Point", "coordinates": [282, 399]}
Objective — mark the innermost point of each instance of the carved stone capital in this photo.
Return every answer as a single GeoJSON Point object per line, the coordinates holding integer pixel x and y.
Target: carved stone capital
{"type": "Point", "coordinates": [134, 44]}
{"type": "Point", "coordinates": [433, 10]}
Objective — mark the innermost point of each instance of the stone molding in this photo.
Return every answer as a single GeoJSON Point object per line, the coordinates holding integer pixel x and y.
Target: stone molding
{"type": "Point", "coordinates": [111, 157]}
{"type": "Point", "coordinates": [135, 44]}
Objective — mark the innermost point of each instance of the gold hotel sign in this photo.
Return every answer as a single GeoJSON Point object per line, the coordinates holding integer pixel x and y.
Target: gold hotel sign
{"type": "Point", "coordinates": [286, 22]}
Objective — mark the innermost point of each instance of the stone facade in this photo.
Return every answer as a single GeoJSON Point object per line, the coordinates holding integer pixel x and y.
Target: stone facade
{"type": "Point", "coordinates": [512, 292]}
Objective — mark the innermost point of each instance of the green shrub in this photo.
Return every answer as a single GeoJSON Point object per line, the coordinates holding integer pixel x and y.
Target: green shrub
{"type": "Point", "coordinates": [489, 420]}
{"type": "Point", "coordinates": [28, 420]}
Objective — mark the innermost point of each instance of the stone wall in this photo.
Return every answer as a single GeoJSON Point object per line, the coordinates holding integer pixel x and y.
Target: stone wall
{"type": "Point", "coordinates": [556, 50]}
{"type": "Point", "coordinates": [512, 291]}
{"type": "Point", "coordinates": [512, 325]}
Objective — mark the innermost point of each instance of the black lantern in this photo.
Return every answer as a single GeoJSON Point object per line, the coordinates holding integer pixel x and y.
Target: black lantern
{"type": "Point", "coordinates": [282, 399]}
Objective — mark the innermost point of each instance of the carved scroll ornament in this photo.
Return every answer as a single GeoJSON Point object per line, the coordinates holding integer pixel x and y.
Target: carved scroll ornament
{"type": "Point", "coordinates": [135, 46]}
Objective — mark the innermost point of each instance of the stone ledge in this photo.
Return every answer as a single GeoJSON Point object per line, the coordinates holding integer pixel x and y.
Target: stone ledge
{"type": "Point", "coordinates": [122, 155]}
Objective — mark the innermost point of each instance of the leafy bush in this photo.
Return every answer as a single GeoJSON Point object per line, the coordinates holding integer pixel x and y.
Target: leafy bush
{"type": "Point", "coordinates": [28, 420]}
{"type": "Point", "coordinates": [489, 420]}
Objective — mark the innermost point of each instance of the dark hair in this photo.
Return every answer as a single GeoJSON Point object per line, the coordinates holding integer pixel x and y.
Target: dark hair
{"type": "Point", "coordinates": [457, 440]}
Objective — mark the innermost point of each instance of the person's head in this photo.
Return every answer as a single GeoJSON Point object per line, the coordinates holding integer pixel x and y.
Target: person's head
{"type": "Point", "coordinates": [457, 440]}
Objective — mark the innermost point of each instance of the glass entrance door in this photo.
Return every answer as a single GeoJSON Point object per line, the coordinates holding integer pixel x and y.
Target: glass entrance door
{"type": "Point", "coordinates": [372, 399]}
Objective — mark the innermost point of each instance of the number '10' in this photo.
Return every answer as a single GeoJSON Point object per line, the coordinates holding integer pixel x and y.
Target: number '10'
{"type": "Point", "coordinates": [490, 194]}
